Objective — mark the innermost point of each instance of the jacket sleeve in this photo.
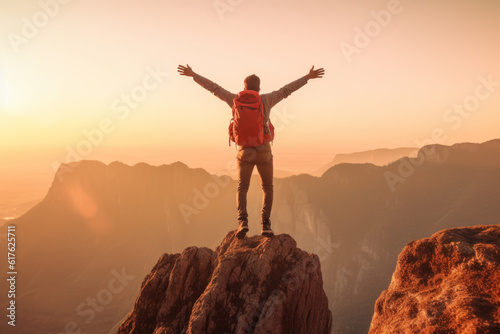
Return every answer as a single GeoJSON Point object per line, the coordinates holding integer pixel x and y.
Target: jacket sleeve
{"type": "Point", "coordinates": [215, 89]}
{"type": "Point", "coordinates": [276, 96]}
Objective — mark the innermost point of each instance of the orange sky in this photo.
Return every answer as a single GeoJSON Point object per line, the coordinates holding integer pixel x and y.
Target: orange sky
{"type": "Point", "coordinates": [67, 77]}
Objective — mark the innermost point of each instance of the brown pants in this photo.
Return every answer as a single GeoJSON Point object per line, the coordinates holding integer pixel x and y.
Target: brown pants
{"type": "Point", "coordinates": [248, 157]}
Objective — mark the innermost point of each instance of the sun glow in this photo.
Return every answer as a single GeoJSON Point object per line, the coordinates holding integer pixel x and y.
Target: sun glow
{"type": "Point", "coordinates": [10, 97]}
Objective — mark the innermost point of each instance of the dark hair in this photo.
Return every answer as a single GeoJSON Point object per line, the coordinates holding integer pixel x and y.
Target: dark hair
{"type": "Point", "coordinates": [252, 82]}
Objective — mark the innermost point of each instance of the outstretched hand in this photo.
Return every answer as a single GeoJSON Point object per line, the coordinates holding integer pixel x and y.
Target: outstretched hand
{"type": "Point", "coordinates": [313, 74]}
{"type": "Point", "coordinates": [187, 71]}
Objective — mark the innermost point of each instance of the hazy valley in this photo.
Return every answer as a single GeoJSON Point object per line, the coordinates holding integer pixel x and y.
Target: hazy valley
{"type": "Point", "coordinates": [84, 250]}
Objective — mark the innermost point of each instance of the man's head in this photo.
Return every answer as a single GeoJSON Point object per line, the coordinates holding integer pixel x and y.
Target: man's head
{"type": "Point", "coordinates": [252, 82]}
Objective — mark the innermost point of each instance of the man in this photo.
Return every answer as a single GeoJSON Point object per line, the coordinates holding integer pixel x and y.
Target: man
{"type": "Point", "coordinates": [260, 156]}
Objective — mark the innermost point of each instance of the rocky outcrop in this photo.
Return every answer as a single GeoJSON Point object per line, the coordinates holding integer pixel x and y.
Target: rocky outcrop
{"type": "Point", "coordinates": [447, 283]}
{"type": "Point", "coordinates": [254, 285]}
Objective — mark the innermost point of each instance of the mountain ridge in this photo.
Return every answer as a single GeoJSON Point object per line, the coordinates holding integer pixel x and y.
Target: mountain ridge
{"type": "Point", "coordinates": [102, 218]}
{"type": "Point", "coordinates": [378, 157]}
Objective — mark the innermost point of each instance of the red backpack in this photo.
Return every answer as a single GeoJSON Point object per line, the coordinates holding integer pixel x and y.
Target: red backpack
{"type": "Point", "coordinates": [247, 128]}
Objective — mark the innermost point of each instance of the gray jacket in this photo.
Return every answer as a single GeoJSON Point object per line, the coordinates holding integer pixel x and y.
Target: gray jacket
{"type": "Point", "coordinates": [269, 100]}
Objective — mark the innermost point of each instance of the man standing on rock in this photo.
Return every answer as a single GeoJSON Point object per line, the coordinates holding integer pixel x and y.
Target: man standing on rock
{"type": "Point", "coordinates": [252, 131]}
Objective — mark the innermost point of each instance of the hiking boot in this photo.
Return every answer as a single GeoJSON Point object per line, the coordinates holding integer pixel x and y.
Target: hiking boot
{"type": "Point", "coordinates": [266, 228]}
{"type": "Point", "coordinates": [242, 229]}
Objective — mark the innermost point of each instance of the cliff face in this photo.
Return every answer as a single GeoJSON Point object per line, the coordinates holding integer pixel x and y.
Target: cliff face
{"type": "Point", "coordinates": [254, 285]}
{"type": "Point", "coordinates": [447, 283]}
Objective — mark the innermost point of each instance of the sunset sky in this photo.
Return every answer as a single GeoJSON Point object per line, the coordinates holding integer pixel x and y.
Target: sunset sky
{"type": "Point", "coordinates": [65, 69]}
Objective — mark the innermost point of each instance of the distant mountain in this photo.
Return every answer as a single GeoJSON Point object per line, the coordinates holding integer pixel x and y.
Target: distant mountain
{"type": "Point", "coordinates": [88, 244]}
{"type": "Point", "coordinates": [83, 251]}
{"type": "Point", "coordinates": [379, 157]}
{"type": "Point", "coordinates": [257, 285]}
{"type": "Point", "coordinates": [447, 283]}
{"type": "Point", "coordinates": [282, 173]}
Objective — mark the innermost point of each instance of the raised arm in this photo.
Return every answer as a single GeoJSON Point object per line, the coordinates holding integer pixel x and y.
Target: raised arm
{"type": "Point", "coordinates": [278, 95]}
{"type": "Point", "coordinates": [212, 87]}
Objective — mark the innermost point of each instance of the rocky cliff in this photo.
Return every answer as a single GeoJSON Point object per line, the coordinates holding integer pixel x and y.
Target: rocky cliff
{"type": "Point", "coordinates": [447, 283]}
{"type": "Point", "coordinates": [254, 285]}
